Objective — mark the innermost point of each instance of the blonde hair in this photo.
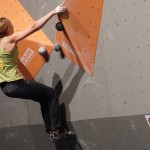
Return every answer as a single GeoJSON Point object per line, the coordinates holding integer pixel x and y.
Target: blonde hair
{"type": "Point", "coordinates": [4, 25]}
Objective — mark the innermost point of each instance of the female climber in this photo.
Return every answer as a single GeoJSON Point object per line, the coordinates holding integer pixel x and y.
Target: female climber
{"type": "Point", "coordinates": [14, 85]}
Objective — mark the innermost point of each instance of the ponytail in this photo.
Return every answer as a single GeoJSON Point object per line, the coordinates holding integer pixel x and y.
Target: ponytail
{"type": "Point", "coordinates": [4, 25]}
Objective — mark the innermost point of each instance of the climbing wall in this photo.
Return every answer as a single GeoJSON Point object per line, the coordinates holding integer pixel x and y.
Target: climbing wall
{"type": "Point", "coordinates": [81, 25]}
{"type": "Point", "coordinates": [30, 61]}
{"type": "Point", "coordinates": [107, 110]}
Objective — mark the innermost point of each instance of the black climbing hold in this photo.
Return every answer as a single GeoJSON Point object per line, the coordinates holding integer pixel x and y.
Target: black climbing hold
{"type": "Point", "coordinates": [57, 47]}
{"type": "Point", "coordinates": [59, 26]}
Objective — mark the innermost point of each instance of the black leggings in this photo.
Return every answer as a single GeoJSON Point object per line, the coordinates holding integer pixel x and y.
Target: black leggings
{"type": "Point", "coordinates": [46, 96]}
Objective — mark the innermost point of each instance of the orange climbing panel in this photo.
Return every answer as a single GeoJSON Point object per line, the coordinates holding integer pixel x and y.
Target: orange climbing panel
{"type": "Point", "coordinates": [30, 61]}
{"type": "Point", "coordinates": [81, 28]}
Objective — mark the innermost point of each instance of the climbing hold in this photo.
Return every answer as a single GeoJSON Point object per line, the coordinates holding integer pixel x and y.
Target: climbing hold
{"type": "Point", "coordinates": [59, 26]}
{"type": "Point", "coordinates": [57, 47]}
{"type": "Point", "coordinates": [42, 51]}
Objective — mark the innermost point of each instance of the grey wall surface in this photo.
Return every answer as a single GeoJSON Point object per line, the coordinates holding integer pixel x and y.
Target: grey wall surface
{"type": "Point", "coordinates": [105, 110]}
